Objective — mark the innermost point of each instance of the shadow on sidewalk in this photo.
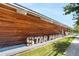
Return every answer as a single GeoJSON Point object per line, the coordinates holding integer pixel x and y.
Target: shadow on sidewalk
{"type": "Point", "coordinates": [60, 47]}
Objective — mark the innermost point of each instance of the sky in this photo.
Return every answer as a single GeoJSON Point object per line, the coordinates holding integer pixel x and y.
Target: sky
{"type": "Point", "coordinates": [52, 10]}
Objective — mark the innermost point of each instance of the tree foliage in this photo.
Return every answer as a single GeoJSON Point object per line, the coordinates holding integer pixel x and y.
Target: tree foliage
{"type": "Point", "coordinates": [74, 9]}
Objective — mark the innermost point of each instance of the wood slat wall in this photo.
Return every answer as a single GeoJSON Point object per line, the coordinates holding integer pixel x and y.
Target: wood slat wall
{"type": "Point", "coordinates": [15, 27]}
{"type": "Point", "coordinates": [7, 7]}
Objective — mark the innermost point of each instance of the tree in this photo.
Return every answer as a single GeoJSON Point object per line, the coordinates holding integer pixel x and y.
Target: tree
{"type": "Point", "coordinates": [74, 9]}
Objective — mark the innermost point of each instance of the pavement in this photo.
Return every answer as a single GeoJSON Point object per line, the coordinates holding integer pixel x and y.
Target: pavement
{"type": "Point", "coordinates": [73, 49]}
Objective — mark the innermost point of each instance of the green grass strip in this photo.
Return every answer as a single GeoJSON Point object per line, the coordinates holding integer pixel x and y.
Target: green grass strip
{"type": "Point", "coordinates": [51, 49]}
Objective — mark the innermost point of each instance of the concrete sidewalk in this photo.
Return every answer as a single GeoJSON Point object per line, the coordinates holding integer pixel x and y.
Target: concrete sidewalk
{"type": "Point", "coordinates": [73, 49]}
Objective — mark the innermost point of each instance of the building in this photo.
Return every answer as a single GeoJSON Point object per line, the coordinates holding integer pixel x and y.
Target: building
{"type": "Point", "coordinates": [20, 25]}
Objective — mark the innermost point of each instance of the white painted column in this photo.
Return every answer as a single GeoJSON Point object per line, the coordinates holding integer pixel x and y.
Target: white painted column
{"type": "Point", "coordinates": [54, 36]}
{"type": "Point", "coordinates": [42, 39]}
{"type": "Point", "coordinates": [32, 40]}
{"type": "Point", "coordinates": [45, 38]}
{"type": "Point", "coordinates": [27, 41]}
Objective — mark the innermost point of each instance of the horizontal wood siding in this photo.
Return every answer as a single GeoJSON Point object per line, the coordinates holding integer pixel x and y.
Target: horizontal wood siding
{"type": "Point", "coordinates": [15, 27]}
